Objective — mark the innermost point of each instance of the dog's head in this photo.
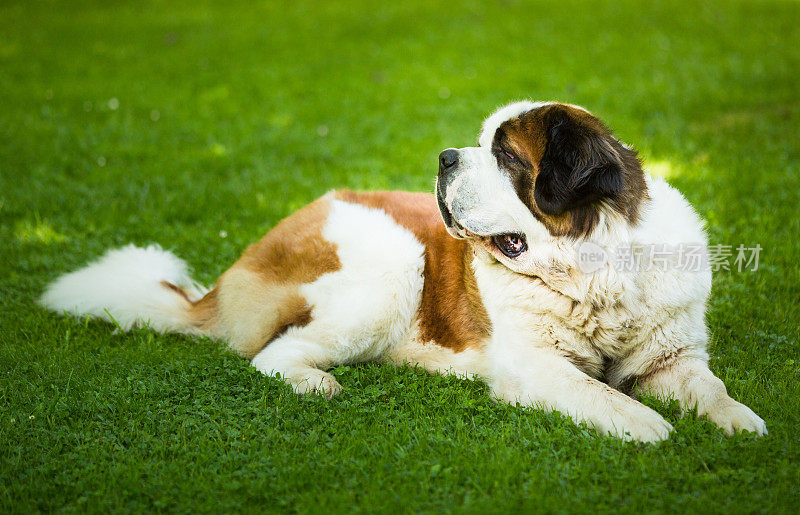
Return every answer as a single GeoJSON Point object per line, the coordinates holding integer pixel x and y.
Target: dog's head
{"type": "Point", "coordinates": [542, 171]}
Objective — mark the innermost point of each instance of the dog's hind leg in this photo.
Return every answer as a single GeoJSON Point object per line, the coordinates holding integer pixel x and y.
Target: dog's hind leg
{"type": "Point", "coordinates": [299, 361]}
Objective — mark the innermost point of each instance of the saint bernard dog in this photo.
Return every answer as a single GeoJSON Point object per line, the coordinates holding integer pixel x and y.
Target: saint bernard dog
{"type": "Point", "coordinates": [486, 279]}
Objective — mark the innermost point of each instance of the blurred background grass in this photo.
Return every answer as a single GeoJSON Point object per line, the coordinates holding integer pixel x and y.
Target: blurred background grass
{"type": "Point", "coordinates": [198, 125]}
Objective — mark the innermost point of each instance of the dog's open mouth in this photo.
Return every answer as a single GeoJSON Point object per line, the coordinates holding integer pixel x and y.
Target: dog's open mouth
{"type": "Point", "coordinates": [510, 244]}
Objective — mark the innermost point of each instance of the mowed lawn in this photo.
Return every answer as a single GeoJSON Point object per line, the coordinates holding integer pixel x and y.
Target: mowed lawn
{"type": "Point", "coordinates": [199, 125]}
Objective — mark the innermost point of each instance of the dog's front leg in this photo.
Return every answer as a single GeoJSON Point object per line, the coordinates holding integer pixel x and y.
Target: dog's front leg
{"type": "Point", "coordinates": [540, 377]}
{"type": "Point", "coordinates": [689, 380]}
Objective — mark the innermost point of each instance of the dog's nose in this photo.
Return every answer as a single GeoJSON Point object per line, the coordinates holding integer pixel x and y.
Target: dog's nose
{"type": "Point", "coordinates": [448, 159]}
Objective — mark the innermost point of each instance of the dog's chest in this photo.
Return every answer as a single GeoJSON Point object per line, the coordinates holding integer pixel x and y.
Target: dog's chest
{"type": "Point", "coordinates": [592, 321]}
{"type": "Point", "coordinates": [591, 334]}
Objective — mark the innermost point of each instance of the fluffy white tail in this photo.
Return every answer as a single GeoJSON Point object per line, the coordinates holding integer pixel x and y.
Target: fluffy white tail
{"type": "Point", "coordinates": [130, 287]}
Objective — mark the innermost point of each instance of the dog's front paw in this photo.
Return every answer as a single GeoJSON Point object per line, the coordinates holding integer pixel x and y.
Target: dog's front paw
{"type": "Point", "coordinates": [317, 382]}
{"type": "Point", "coordinates": [640, 423]}
{"type": "Point", "coordinates": [733, 416]}
{"type": "Point", "coordinates": [631, 420]}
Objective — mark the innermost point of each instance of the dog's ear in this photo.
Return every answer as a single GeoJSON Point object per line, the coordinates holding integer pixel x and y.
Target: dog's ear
{"type": "Point", "coordinates": [579, 166]}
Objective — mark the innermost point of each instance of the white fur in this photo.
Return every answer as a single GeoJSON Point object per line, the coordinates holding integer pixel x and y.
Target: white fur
{"type": "Point", "coordinates": [124, 286]}
{"type": "Point", "coordinates": [361, 310]}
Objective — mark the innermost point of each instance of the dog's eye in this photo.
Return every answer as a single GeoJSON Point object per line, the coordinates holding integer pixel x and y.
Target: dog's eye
{"type": "Point", "coordinates": [509, 155]}
{"type": "Point", "coordinates": [512, 245]}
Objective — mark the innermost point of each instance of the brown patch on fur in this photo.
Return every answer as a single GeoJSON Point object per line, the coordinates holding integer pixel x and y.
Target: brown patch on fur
{"type": "Point", "coordinates": [529, 135]}
{"type": "Point", "coordinates": [294, 251]}
{"type": "Point", "coordinates": [526, 135]}
{"type": "Point", "coordinates": [258, 298]}
{"type": "Point", "coordinates": [201, 312]}
{"type": "Point", "coordinates": [204, 310]}
{"type": "Point", "coordinates": [294, 311]}
{"type": "Point", "coordinates": [177, 289]}
{"type": "Point", "coordinates": [451, 312]}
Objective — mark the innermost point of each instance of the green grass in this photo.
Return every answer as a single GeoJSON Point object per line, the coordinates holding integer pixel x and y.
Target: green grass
{"type": "Point", "coordinates": [180, 122]}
